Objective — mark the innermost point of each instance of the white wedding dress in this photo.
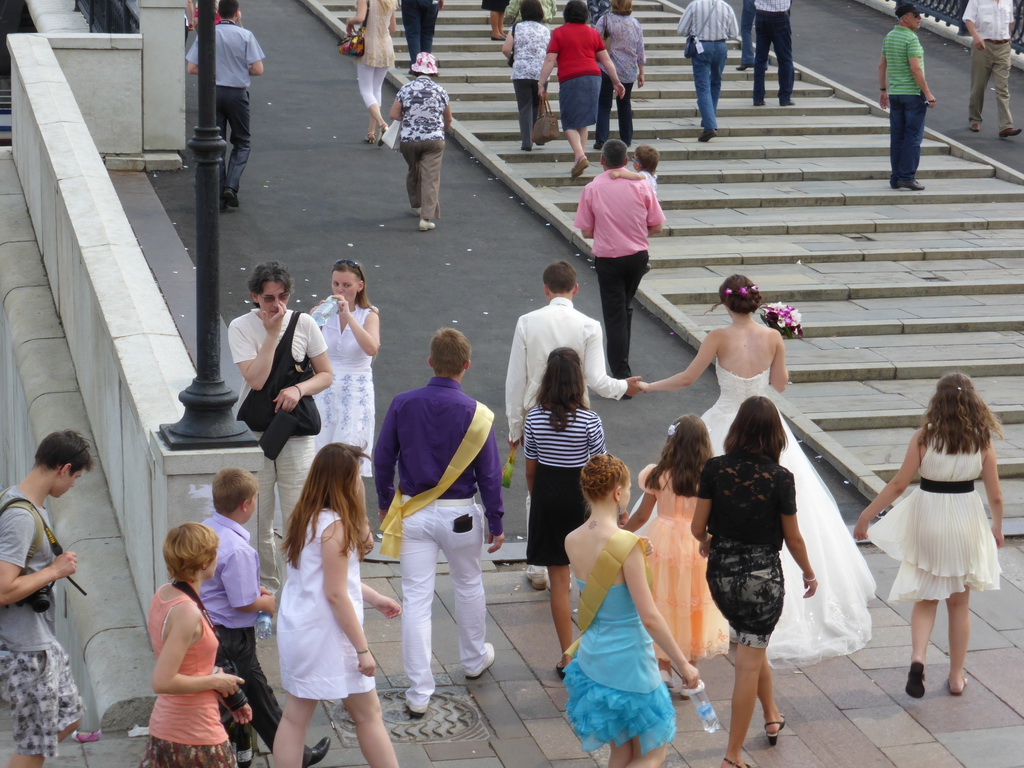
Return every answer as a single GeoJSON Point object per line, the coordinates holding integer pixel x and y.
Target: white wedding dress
{"type": "Point", "coordinates": [835, 621]}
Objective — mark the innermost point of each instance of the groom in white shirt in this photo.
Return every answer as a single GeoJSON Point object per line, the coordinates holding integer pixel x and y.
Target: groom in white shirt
{"type": "Point", "coordinates": [539, 332]}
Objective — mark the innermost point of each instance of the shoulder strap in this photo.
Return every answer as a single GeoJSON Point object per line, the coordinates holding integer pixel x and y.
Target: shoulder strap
{"type": "Point", "coordinates": [602, 576]}
{"type": "Point", "coordinates": [468, 449]}
{"type": "Point", "coordinates": [28, 506]}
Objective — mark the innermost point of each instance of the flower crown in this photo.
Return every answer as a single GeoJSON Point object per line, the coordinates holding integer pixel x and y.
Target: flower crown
{"type": "Point", "coordinates": [744, 291]}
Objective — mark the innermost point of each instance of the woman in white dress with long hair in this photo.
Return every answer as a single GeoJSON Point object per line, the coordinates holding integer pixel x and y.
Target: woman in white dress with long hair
{"type": "Point", "coordinates": [750, 357]}
{"type": "Point", "coordinates": [353, 338]}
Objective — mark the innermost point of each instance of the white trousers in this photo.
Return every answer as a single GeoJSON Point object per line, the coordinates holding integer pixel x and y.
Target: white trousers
{"type": "Point", "coordinates": [423, 535]}
{"type": "Point", "coordinates": [288, 474]}
{"type": "Point", "coordinates": [370, 80]}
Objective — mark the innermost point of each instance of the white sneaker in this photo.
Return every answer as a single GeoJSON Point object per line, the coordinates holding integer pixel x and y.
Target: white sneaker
{"type": "Point", "coordinates": [488, 660]}
{"type": "Point", "coordinates": [426, 226]}
{"type": "Point", "coordinates": [416, 710]}
{"type": "Point", "coordinates": [538, 576]}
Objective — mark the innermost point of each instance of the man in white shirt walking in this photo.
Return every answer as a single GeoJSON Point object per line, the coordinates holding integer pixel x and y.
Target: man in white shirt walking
{"type": "Point", "coordinates": [556, 325]}
{"type": "Point", "coordinates": [713, 23]}
{"type": "Point", "coordinates": [990, 25]}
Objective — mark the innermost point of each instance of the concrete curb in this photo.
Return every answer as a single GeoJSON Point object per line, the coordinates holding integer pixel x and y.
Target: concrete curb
{"type": "Point", "coordinates": [940, 28]}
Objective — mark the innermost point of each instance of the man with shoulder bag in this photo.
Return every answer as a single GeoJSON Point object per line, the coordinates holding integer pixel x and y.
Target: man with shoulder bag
{"type": "Point", "coordinates": [35, 672]}
{"type": "Point", "coordinates": [282, 356]}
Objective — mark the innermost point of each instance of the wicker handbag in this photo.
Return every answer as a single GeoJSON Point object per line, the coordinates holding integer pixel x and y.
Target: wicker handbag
{"type": "Point", "coordinates": [545, 129]}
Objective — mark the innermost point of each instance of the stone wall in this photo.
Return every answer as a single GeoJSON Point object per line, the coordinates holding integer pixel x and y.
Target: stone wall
{"type": "Point", "coordinates": [109, 361]}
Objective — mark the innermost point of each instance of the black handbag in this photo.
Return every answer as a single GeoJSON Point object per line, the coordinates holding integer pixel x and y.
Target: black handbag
{"type": "Point", "coordinates": [257, 410]}
{"type": "Point", "coordinates": [512, 56]}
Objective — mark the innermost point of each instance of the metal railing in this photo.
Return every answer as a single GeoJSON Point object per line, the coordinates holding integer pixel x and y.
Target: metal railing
{"type": "Point", "coordinates": [110, 16]}
{"type": "Point", "coordinates": [952, 12]}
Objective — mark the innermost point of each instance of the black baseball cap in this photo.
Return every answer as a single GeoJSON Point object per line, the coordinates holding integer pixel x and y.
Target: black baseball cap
{"type": "Point", "coordinates": [904, 8]}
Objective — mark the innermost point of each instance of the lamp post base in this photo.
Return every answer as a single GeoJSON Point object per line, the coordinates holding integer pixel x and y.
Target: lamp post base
{"type": "Point", "coordinates": [207, 421]}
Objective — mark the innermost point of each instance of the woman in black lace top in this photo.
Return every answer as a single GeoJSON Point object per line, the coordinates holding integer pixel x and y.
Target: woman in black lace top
{"type": "Point", "coordinates": [746, 509]}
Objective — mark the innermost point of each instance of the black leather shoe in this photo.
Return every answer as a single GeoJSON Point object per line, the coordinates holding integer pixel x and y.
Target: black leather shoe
{"type": "Point", "coordinates": [789, 103]}
{"type": "Point", "coordinates": [758, 103]}
{"type": "Point", "coordinates": [707, 135]}
{"type": "Point", "coordinates": [744, 67]}
{"type": "Point", "coordinates": [230, 197]}
{"type": "Point", "coordinates": [317, 752]}
{"type": "Point", "coordinates": [598, 145]}
{"type": "Point", "coordinates": [911, 185]}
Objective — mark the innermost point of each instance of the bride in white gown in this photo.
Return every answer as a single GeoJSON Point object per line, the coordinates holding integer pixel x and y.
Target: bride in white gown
{"type": "Point", "coordinates": [749, 358]}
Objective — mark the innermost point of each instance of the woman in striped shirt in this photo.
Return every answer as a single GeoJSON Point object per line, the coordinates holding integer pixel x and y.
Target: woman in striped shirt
{"type": "Point", "coordinates": [560, 436]}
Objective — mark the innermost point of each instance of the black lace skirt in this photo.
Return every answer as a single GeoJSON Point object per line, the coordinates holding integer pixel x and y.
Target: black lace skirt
{"type": "Point", "coordinates": [746, 584]}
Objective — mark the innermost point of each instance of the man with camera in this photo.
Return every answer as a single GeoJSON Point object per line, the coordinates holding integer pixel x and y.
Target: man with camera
{"type": "Point", "coordinates": [35, 672]}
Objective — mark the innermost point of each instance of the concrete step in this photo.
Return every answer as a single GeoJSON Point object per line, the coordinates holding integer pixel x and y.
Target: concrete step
{"type": "Point", "coordinates": [778, 170]}
{"type": "Point", "coordinates": [736, 116]}
{"type": "Point", "coordinates": [661, 91]}
{"type": "Point", "coordinates": [802, 194]}
{"type": "Point", "coordinates": [494, 72]}
{"type": "Point", "coordinates": [815, 148]}
{"type": "Point", "coordinates": [769, 122]}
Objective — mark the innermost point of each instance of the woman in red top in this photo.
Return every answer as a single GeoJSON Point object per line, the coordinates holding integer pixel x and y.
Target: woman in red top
{"type": "Point", "coordinates": [577, 47]}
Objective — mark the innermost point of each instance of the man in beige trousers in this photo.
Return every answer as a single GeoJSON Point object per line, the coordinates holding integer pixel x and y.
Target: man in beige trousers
{"type": "Point", "coordinates": [990, 25]}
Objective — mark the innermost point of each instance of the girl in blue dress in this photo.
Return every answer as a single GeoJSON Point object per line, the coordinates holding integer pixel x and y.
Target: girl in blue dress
{"type": "Point", "coordinates": [616, 695]}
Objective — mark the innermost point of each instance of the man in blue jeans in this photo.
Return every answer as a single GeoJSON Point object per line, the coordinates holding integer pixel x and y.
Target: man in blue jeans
{"type": "Point", "coordinates": [904, 91]}
{"type": "Point", "coordinates": [771, 24]}
{"type": "Point", "coordinates": [419, 18]}
{"type": "Point", "coordinates": [713, 23]}
{"type": "Point", "coordinates": [747, 36]}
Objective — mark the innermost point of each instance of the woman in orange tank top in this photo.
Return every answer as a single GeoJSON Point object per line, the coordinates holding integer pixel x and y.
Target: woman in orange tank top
{"type": "Point", "coordinates": [185, 727]}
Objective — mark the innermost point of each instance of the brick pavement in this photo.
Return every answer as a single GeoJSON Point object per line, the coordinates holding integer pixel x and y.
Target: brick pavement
{"type": "Point", "coordinates": [845, 712]}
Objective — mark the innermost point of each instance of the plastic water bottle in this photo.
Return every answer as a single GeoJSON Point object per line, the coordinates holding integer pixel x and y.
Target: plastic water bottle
{"type": "Point", "coordinates": [264, 629]}
{"type": "Point", "coordinates": [325, 312]}
{"type": "Point", "coordinates": [705, 710]}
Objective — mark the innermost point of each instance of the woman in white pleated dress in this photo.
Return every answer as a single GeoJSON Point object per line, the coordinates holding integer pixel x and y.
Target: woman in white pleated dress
{"type": "Point", "coordinates": [940, 532]}
{"type": "Point", "coordinates": [323, 650]}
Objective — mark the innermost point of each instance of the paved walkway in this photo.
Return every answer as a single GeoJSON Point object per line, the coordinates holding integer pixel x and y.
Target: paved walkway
{"type": "Point", "coordinates": [844, 713]}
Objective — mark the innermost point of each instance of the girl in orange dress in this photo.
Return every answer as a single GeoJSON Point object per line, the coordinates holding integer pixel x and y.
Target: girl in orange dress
{"type": "Point", "coordinates": [680, 584]}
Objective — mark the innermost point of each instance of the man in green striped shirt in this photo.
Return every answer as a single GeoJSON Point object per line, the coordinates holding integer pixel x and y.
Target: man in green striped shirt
{"type": "Point", "coordinates": [905, 93]}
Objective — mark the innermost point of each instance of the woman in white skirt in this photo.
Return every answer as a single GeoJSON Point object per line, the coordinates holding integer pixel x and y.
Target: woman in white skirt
{"type": "Point", "coordinates": [353, 338]}
{"type": "Point", "coordinates": [320, 639]}
{"type": "Point", "coordinates": [940, 532]}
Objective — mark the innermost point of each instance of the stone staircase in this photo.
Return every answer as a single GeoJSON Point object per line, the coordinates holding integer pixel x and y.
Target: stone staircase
{"type": "Point", "coordinates": [896, 287]}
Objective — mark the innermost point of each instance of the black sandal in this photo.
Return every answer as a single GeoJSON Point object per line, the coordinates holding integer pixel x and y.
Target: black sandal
{"type": "Point", "coordinates": [915, 680]}
{"type": "Point", "coordinates": [774, 738]}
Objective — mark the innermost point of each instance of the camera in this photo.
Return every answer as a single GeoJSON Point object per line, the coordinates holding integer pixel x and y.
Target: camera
{"type": "Point", "coordinates": [238, 699]}
{"type": "Point", "coordinates": [40, 600]}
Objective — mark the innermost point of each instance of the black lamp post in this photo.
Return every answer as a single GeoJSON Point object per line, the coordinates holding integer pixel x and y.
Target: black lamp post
{"type": "Point", "coordinates": [207, 421]}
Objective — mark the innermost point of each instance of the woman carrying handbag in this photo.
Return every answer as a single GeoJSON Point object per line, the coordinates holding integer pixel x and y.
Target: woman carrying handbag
{"type": "Point", "coordinates": [525, 47]}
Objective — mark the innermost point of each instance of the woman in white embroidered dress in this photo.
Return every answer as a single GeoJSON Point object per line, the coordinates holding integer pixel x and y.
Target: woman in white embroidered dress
{"type": "Point", "coordinates": [353, 338]}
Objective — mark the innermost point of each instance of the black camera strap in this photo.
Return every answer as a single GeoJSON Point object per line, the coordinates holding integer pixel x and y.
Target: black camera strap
{"type": "Point", "coordinates": [23, 503]}
{"type": "Point", "coordinates": [187, 589]}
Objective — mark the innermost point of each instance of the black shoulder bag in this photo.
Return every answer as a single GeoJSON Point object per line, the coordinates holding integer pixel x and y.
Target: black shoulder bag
{"type": "Point", "coordinates": [257, 410]}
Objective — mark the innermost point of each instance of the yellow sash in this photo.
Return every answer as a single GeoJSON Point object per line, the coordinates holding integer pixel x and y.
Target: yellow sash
{"type": "Point", "coordinates": [602, 576]}
{"type": "Point", "coordinates": [468, 449]}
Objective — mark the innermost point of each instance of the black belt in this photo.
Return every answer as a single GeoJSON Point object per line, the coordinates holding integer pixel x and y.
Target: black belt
{"type": "Point", "coordinates": [997, 42]}
{"type": "Point", "coordinates": [713, 41]}
{"type": "Point", "coordinates": [947, 486]}
{"type": "Point", "coordinates": [773, 13]}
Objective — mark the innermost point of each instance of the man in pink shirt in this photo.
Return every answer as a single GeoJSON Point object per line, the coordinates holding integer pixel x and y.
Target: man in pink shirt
{"type": "Point", "coordinates": [619, 214]}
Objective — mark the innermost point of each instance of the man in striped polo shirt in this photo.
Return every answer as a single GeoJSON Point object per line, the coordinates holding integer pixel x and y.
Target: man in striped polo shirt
{"type": "Point", "coordinates": [904, 91]}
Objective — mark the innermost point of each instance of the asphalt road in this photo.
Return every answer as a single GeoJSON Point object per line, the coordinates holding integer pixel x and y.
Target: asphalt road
{"type": "Point", "coordinates": [313, 193]}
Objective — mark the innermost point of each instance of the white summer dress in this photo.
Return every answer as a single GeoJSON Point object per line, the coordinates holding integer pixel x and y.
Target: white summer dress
{"type": "Point", "coordinates": [317, 659]}
{"type": "Point", "coordinates": [835, 621]}
{"type": "Point", "coordinates": [943, 539]}
{"type": "Point", "coordinates": [347, 406]}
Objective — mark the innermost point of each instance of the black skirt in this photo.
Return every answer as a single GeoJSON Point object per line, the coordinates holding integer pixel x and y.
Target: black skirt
{"type": "Point", "coordinates": [498, 6]}
{"type": "Point", "coordinates": [557, 507]}
{"type": "Point", "coordinates": [746, 585]}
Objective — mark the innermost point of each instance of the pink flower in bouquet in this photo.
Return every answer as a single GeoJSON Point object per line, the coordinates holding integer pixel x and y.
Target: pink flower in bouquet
{"type": "Point", "coordinates": [783, 318]}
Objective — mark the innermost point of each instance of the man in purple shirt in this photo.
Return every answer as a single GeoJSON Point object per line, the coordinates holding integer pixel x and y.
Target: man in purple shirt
{"type": "Point", "coordinates": [421, 433]}
{"type": "Point", "coordinates": [234, 598]}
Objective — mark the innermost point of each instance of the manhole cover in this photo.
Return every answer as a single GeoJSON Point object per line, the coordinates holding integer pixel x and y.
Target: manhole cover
{"type": "Point", "coordinates": [453, 716]}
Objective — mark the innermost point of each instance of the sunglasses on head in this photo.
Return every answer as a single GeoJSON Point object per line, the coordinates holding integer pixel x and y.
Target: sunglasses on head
{"type": "Point", "coordinates": [348, 263]}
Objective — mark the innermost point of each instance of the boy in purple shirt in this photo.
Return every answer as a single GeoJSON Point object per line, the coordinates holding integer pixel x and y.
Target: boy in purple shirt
{"type": "Point", "coordinates": [234, 598]}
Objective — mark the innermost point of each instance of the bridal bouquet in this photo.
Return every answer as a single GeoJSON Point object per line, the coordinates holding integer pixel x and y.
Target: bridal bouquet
{"type": "Point", "coordinates": [784, 319]}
